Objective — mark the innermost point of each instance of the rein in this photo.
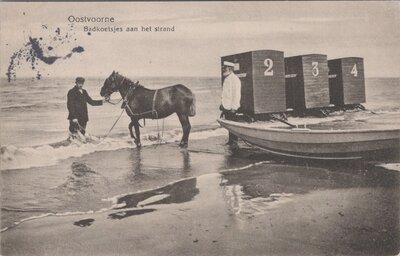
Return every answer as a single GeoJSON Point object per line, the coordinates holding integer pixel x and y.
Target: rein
{"type": "Point", "coordinates": [116, 102]}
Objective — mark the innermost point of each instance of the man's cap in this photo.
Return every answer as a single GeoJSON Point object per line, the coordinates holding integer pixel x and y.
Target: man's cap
{"type": "Point", "coordinates": [80, 80]}
{"type": "Point", "coordinates": [229, 64]}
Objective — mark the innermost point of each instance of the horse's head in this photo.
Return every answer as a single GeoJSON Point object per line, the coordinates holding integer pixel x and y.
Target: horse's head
{"type": "Point", "coordinates": [110, 85]}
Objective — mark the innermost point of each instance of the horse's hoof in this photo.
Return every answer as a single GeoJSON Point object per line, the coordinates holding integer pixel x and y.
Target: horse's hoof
{"type": "Point", "coordinates": [137, 143]}
{"type": "Point", "coordinates": [183, 145]}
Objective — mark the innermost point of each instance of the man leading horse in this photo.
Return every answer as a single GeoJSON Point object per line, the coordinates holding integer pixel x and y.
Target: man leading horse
{"type": "Point", "coordinates": [77, 100]}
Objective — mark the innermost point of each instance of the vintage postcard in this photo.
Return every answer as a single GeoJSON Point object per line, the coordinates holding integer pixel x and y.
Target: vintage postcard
{"type": "Point", "coordinates": [200, 128]}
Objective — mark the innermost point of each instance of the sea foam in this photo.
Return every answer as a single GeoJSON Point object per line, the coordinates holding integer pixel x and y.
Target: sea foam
{"type": "Point", "coordinates": [13, 157]}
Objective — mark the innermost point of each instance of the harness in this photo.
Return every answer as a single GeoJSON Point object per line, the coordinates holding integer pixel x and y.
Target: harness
{"type": "Point", "coordinates": [125, 106]}
{"type": "Point", "coordinates": [153, 110]}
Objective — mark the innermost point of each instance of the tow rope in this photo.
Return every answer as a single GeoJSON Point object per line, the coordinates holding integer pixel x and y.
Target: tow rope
{"type": "Point", "coordinates": [116, 121]}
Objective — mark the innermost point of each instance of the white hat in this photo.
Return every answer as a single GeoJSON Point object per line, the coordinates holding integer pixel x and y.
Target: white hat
{"type": "Point", "coordinates": [229, 64]}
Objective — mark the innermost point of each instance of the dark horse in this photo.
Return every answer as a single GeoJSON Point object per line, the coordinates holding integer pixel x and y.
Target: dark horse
{"type": "Point", "coordinates": [140, 102]}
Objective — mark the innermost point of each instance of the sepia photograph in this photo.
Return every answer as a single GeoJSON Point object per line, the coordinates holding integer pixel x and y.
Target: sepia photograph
{"type": "Point", "coordinates": [200, 128]}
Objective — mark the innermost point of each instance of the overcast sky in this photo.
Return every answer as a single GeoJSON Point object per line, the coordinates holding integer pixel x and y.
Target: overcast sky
{"type": "Point", "coordinates": [204, 31]}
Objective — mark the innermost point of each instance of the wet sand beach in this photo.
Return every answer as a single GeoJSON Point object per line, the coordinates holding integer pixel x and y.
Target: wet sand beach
{"type": "Point", "coordinates": [208, 200]}
{"type": "Point", "coordinates": [97, 194]}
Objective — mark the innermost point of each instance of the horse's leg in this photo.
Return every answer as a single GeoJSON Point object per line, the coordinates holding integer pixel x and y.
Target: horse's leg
{"type": "Point", "coordinates": [130, 129]}
{"type": "Point", "coordinates": [135, 139]}
{"type": "Point", "coordinates": [137, 131]}
{"type": "Point", "coordinates": [184, 119]}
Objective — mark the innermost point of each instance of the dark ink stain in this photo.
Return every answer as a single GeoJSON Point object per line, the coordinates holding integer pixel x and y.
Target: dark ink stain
{"type": "Point", "coordinates": [23, 13]}
{"type": "Point", "coordinates": [89, 33]}
{"type": "Point", "coordinates": [35, 52]}
{"type": "Point", "coordinates": [78, 49]}
{"type": "Point", "coordinates": [38, 52]}
{"type": "Point", "coordinates": [125, 214]}
{"type": "Point", "coordinates": [84, 223]}
{"type": "Point", "coordinates": [14, 61]}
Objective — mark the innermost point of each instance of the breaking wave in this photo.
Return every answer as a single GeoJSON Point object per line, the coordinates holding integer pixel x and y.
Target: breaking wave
{"type": "Point", "coordinates": [13, 157]}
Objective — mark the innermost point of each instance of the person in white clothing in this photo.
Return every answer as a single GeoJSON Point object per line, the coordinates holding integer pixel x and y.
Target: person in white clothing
{"type": "Point", "coordinates": [231, 94]}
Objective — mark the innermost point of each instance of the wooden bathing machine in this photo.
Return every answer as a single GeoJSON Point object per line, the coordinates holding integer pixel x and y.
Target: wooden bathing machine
{"type": "Point", "coordinates": [262, 74]}
{"type": "Point", "coordinates": [273, 84]}
{"type": "Point", "coordinates": [346, 81]}
{"type": "Point", "coordinates": [307, 85]}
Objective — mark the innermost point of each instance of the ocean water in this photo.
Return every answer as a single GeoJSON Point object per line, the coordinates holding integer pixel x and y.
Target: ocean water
{"type": "Point", "coordinates": [34, 118]}
{"type": "Point", "coordinates": [33, 112]}
{"type": "Point", "coordinates": [42, 174]}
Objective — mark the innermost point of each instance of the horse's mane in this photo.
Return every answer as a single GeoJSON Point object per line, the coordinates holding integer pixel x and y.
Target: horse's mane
{"type": "Point", "coordinates": [137, 84]}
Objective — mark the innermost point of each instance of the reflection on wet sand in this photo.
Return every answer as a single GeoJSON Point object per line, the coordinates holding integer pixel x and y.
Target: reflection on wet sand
{"type": "Point", "coordinates": [364, 205]}
{"type": "Point", "coordinates": [255, 206]}
{"type": "Point", "coordinates": [136, 173]}
{"type": "Point", "coordinates": [281, 182]}
{"type": "Point", "coordinates": [146, 164]}
{"type": "Point", "coordinates": [177, 192]}
{"type": "Point", "coordinates": [186, 161]}
{"type": "Point", "coordinates": [263, 209]}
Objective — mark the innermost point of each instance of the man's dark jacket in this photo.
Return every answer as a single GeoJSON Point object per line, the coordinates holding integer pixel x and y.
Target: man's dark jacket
{"type": "Point", "coordinates": [76, 103]}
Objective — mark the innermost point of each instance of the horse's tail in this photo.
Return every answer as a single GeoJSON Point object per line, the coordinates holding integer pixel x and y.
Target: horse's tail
{"type": "Point", "coordinates": [192, 109]}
